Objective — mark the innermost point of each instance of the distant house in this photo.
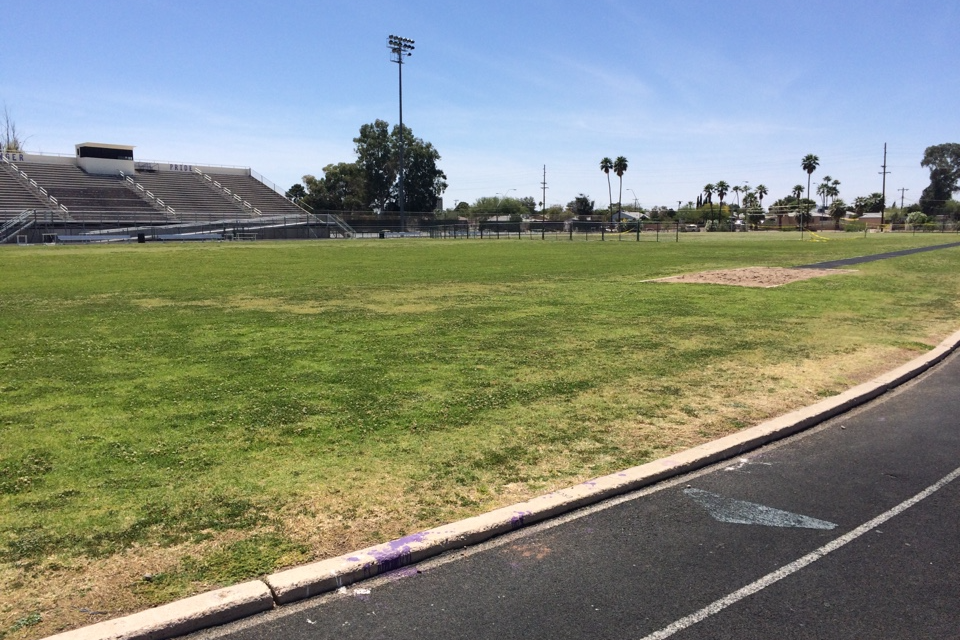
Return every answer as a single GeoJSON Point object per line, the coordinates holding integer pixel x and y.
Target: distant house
{"type": "Point", "coordinates": [628, 217]}
{"type": "Point", "coordinates": [872, 220]}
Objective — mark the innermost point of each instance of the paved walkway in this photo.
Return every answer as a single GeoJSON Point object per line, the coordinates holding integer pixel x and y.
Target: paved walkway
{"type": "Point", "coordinates": [848, 530]}
{"type": "Point", "coordinates": [836, 264]}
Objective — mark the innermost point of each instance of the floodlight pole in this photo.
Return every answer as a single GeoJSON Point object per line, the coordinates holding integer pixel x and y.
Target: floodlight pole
{"type": "Point", "coordinates": [400, 48]}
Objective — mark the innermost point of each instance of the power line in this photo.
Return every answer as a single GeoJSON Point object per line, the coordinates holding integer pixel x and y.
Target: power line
{"type": "Point", "coordinates": [883, 203]}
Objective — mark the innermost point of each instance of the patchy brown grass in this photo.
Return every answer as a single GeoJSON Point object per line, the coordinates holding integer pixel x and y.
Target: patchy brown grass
{"type": "Point", "coordinates": [366, 508]}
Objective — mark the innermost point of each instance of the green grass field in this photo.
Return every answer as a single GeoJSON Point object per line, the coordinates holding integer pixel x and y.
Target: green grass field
{"type": "Point", "coordinates": [205, 414]}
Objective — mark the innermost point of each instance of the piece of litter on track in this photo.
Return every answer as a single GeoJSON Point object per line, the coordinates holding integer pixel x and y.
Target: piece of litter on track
{"type": "Point", "coordinates": [309, 621]}
{"type": "Point", "coordinates": [361, 592]}
{"type": "Point", "coordinates": [342, 590]}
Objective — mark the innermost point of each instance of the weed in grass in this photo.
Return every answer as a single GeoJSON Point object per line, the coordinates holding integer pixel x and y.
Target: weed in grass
{"type": "Point", "coordinates": [25, 472]}
{"type": "Point", "coordinates": [26, 621]}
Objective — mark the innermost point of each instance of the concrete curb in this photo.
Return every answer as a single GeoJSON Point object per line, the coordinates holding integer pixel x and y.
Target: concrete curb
{"type": "Point", "coordinates": [288, 586]}
{"type": "Point", "coordinates": [181, 617]}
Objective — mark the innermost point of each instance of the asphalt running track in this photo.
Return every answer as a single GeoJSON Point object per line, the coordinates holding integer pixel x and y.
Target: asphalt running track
{"type": "Point", "coordinates": [848, 530]}
{"type": "Point", "coordinates": [836, 264]}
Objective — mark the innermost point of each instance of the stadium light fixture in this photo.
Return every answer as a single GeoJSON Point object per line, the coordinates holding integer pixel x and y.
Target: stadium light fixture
{"type": "Point", "coordinates": [400, 48]}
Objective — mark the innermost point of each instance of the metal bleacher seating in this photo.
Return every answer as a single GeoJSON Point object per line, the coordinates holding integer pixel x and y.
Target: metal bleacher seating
{"type": "Point", "coordinates": [90, 197]}
{"type": "Point", "coordinates": [265, 199]}
{"type": "Point", "coordinates": [16, 197]}
{"type": "Point", "coordinates": [188, 195]}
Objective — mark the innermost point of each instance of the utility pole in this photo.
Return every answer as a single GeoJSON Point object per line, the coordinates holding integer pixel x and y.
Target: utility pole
{"type": "Point", "coordinates": [883, 205]}
{"type": "Point", "coordinates": [901, 190]}
{"type": "Point", "coordinates": [543, 205]}
{"type": "Point", "coordinates": [400, 48]}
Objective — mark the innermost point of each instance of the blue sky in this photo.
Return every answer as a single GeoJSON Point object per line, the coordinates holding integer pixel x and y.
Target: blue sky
{"type": "Point", "coordinates": [689, 91]}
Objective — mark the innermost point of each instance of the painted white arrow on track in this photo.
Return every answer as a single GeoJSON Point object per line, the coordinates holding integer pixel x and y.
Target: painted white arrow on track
{"type": "Point", "coordinates": [740, 512]}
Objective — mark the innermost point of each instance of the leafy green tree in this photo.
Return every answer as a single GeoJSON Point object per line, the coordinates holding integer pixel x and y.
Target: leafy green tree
{"type": "Point", "coordinates": [581, 206]}
{"type": "Point", "coordinates": [529, 204]}
{"type": "Point", "coordinates": [553, 213]}
{"type": "Point", "coordinates": [606, 165]}
{"type": "Point", "coordinates": [378, 163]}
{"type": "Point", "coordinates": [423, 181]}
{"type": "Point", "coordinates": [943, 160]}
{"type": "Point", "coordinates": [496, 206]}
{"type": "Point", "coordinates": [951, 209]}
{"type": "Point", "coordinates": [340, 189]}
{"type": "Point", "coordinates": [689, 213]}
{"type": "Point", "coordinates": [296, 192]}
{"type": "Point", "coordinates": [378, 159]}
{"type": "Point", "coordinates": [917, 219]}
{"type": "Point", "coordinates": [620, 167]}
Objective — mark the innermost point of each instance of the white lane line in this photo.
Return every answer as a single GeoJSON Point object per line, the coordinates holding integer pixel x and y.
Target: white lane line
{"type": "Point", "coordinates": [767, 580]}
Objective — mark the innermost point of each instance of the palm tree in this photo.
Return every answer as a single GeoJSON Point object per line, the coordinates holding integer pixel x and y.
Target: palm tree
{"type": "Point", "coordinates": [838, 209]}
{"type": "Point", "coordinates": [722, 189]}
{"type": "Point", "coordinates": [797, 191]}
{"type": "Point", "coordinates": [708, 190]}
{"type": "Point", "coordinates": [809, 163]}
{"type": "Point", "coordinates": [761, 191]}
{"type": "Point", "coordinates": [737, 189]}
{"type": "Point", "coordinates": [606, 165]}
{"type": "Point", "coordinates": [823, 190]}
{"type": "Point", "coordinates": [619, 168]}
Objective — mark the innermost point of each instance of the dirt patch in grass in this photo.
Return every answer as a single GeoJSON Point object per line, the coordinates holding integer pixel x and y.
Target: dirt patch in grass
{"type": "Point", "coordinates": [764, 277]}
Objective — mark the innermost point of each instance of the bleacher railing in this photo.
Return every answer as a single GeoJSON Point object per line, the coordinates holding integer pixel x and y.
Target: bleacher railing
{"type": "Point", "coordinates": [147, 194]}
{"type": "Point", "coordinates": [236, 198]}
{"type": "Point", "coordinates": [32, 184]}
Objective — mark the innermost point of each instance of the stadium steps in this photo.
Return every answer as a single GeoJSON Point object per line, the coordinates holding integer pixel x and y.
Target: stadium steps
{"type": "Point", "coordinates": [228, 194]}
{"type": "Point", "coordinates": [15, 225]}
{"type": "Point", "coordinates": [268, 201]}
{"type": "Point", "coordinates": [140, 191]}
{"type": "Point", "coordinates": [18, 193]}
{"type": "Point", "coordinates": [90, 197]}
{"type": "Point", "coordinates": [188, 196]}
{"type": "Point", "coordinates": [271, 203]}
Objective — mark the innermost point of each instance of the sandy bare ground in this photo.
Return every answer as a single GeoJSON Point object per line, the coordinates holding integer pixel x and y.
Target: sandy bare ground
{"type": "Point", "coordinates": [765, 277]}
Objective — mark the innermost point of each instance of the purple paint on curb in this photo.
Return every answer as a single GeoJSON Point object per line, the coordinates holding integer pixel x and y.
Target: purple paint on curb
{"type": "Point", "coordinates": [517, 520]}
{"type": "Point", "coordinates": [395, 553]}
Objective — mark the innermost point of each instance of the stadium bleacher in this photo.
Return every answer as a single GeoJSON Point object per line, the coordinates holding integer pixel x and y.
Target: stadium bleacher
{"type": "Point", "coordinates": [15, 197]}
{"type": "Point", "coordinates": [102, 188]}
